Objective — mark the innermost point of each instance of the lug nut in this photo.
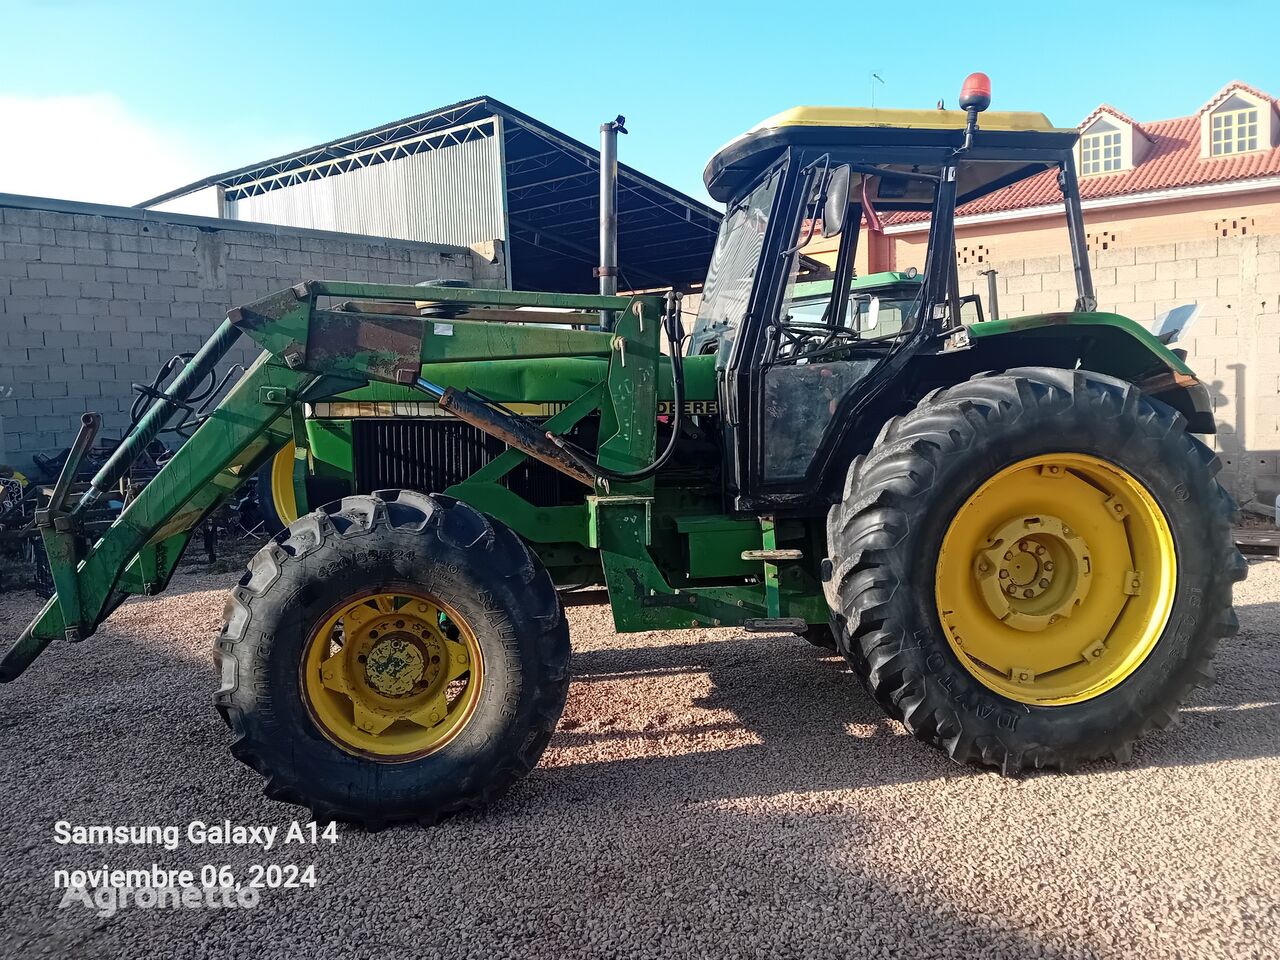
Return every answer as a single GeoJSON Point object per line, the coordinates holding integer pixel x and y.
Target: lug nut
{"type": "Point", "coordinates": [1028, 592]}
{"type": "Point", "coordinates": [1004, 574]}
{"type": "Point", "coordinates": [1048, 564]}
{"type": "Point", "coordinates": [1044, 583]}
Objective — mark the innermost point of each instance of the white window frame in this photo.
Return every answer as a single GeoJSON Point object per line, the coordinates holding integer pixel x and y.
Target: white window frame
{"type": "Point", "coordinates": [1101, 152]}
{"type": "Point", "coordinates": [1242, 122]}
{"type": "Point", "coordinates": [1235, 131]}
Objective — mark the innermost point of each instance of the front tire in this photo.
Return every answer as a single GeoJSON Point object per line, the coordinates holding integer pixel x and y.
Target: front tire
{"type": "Point", "coordinates": [938, 581]}
{"type": "Point", "coordinates": [393, 657]}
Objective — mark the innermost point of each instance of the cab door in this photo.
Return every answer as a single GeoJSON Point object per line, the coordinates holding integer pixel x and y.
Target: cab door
{"type": "Point", "coordinates": [811, 378]}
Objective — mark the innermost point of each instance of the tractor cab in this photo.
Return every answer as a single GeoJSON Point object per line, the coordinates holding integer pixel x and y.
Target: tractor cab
{"type": "Point", "coordinates": [815, 347]}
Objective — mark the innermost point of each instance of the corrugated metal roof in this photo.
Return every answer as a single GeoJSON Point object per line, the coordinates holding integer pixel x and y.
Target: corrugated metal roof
{"type": "Point", "coordinates": [434, 197]}
{"type": "Point", "coordinates": [551, 196]}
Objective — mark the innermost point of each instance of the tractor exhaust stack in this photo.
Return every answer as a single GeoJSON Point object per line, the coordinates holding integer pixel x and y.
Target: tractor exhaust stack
{"type": "Point", "coordinates": [607, 271]}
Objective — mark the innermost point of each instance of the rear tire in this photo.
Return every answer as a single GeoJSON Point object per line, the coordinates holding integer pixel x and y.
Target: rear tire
{"type": "Point", "coordinates": [820, 636]}
{"type": "Point", "coordinates": [886, 556]}
{"type": "Point", "coordinates": [402, 543]}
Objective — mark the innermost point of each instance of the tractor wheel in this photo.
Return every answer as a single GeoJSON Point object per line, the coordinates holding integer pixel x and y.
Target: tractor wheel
{"type": "Point", "coordinates": [277, 501]}
{"type": "Point", "coordinates": [820, 636]}
{"type": "Point", "coordinates": [393, 657]}
{"type": "Point", "coordinates": [1033, 568]}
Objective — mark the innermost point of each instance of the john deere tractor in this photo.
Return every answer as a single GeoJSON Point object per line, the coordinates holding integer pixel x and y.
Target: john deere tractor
{"type": "Point", "coordinates": [382, 435]}
{"type": "Point", "coordinates": [1009, 528]}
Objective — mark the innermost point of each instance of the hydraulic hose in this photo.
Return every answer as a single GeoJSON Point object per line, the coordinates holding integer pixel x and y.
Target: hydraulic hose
{"type": "Point", "coordinates": [161, 412]}
{"type": "Point", "coordinates": [675, 337]}
{"type": "Point", "coordinates": [523, 434]}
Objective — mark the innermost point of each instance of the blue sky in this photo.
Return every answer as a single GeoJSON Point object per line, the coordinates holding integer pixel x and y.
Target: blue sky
{"type": "Point", "coordinates": [116, 101]}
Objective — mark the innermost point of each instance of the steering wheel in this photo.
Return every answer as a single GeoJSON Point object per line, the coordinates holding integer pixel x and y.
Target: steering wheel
{"type": "Point", "coordinates": [800, 341]}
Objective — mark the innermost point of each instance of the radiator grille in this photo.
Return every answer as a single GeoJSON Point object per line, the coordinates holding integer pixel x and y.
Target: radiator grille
{"type": "Point", "coordinates": [431, 455]}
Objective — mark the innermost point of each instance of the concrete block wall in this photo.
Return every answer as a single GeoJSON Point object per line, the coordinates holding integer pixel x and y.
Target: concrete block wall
{"type": "Point", "coordinates": [93, 298]}
{"type": "Point", "coordinates": [1234, 346]}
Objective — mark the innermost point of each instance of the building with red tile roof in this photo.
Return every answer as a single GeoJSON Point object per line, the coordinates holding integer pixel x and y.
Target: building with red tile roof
{"type": "Point", "coordinates": [1213, 173]}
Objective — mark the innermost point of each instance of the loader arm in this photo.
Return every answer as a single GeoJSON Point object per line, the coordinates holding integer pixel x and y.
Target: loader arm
{"type": "Point", "coordinates": [310, 352]}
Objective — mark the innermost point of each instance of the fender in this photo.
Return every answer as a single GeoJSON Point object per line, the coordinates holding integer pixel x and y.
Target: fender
{"type": "Point", "coordinates": [1106, 342]}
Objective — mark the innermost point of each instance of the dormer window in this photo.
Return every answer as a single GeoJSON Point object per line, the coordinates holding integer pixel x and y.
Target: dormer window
{"type": "Point", "coordinates": [1109, 143]}
{"type": "Point", "coordinates": [1234, 127]}
{"type": "Point", "coordinates": [1101, 149]}
{"type": "Point", "coordinates": [1238, 120]}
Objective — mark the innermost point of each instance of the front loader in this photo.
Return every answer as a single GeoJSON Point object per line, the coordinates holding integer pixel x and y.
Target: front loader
{"type": "Point", "coordinates": [1007, 527]}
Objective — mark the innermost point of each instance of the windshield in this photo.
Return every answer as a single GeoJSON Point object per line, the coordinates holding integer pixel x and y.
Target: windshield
{"type": "Point", "coordinates": [732, 273]}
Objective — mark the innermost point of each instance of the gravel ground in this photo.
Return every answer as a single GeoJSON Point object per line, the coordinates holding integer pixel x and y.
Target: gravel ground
{"type": "Point", "coordinates": [707, 794]}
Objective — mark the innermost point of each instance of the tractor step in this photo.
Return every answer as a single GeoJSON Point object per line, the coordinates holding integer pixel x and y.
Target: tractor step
{"type": "Point", "coordinates": [775, 625]}
{"type": "Point", "coordinates": [772, 556]}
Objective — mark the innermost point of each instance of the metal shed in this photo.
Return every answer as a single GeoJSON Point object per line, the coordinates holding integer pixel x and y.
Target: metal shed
{"type": "Point", "coordinates": [465, 174]}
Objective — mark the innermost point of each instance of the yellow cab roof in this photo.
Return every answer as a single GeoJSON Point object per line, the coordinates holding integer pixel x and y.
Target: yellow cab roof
{"type": "Point", "coordinates": [737, 160]}
{"type": "Point", "coordinates": [914, 119]}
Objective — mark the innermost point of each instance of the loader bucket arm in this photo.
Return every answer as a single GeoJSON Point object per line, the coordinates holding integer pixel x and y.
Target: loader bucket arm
{"type": "Point", "coordinates": [148, 537]}
{"type": "Point", "coordinates": [310, 352]}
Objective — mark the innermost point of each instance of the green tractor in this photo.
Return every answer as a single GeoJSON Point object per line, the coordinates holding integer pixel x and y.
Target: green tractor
{"type": "Point", "coordinates": [382, 435]}
{"type": "Point", "coordinates": [1008, 528]}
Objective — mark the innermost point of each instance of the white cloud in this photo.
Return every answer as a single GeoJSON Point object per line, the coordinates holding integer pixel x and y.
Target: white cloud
{"type": "Point", "coordinates": [90, 148]}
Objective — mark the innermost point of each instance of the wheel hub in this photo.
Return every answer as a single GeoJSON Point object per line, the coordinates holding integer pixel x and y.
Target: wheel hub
{"type": "Point", "coordinates": [1056, 578]}
{"type": "Point", "coordinates": [392, 676]}
{"type": "Point", "coordinates": [395, 665]}
{"type": "Point", "coordinates": [1033, 571]}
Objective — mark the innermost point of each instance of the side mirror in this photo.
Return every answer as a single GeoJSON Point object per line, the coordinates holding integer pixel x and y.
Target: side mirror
{"type": "Point", "coordinates": [836, 209]}
{"type": "Point", "coordinates": [975, 301]}
{"type": "Point", "coordinates": [873, 313]}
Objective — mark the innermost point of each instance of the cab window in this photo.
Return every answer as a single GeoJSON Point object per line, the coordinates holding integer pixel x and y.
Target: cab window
{"type": "Point", "coordinates": [734, 264]}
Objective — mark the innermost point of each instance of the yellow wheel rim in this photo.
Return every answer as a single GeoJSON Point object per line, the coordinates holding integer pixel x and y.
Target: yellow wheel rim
{"type": "Point", "coordinates": [392, 676]}
{"type": "Point", "coordinates": [1056, 579]}
{"type": "Point", "coordinates": [283, 496]}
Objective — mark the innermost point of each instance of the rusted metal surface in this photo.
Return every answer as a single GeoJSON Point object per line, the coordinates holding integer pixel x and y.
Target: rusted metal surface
{"type": "Point", "coordinates": [378, 306]}
{"type": "Point", "coordinates": [390, 345]}
{"type": "Point", "coordinates": [524, 436]}
{"type": "Point", "coordinates": [258, 313]}
{"type": "Point", "coordinates": [497, 315]}
{"type": "Point", "coordinates": [1167, 380]}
